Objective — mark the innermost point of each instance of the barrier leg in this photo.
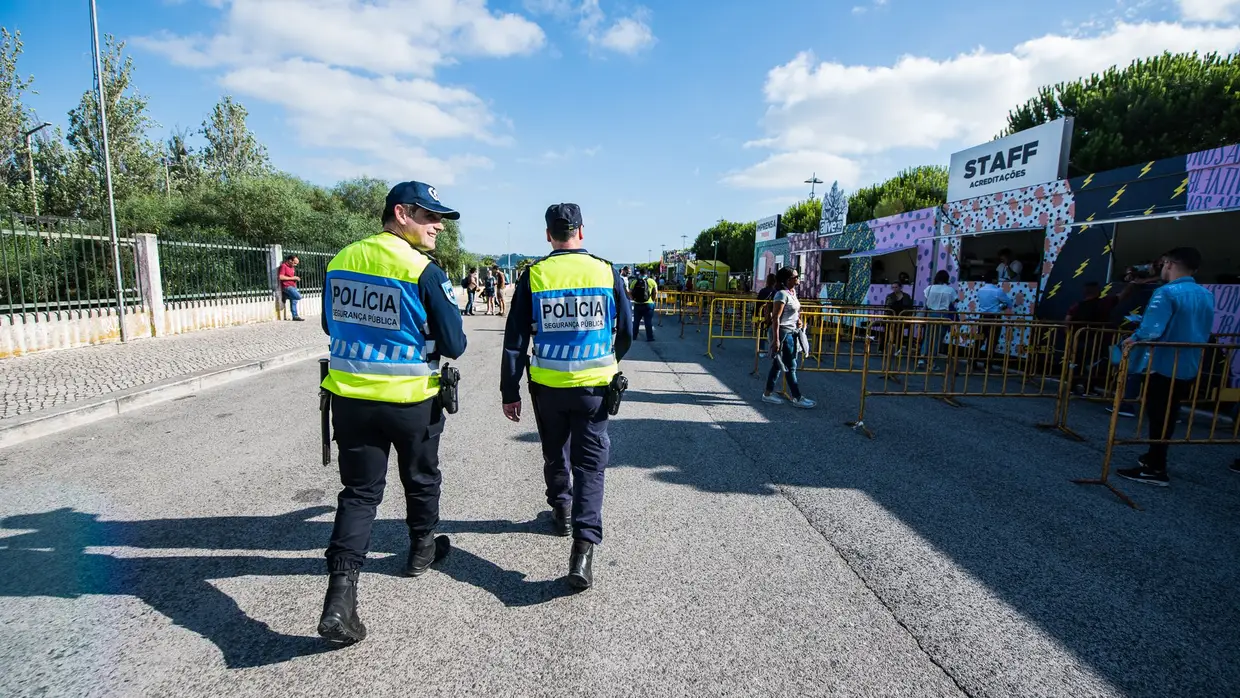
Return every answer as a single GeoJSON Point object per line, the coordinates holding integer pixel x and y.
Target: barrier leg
{"type": "Point", "coordinates": [859, 425]}
{"type": "Point", "coordinates": [710, 330]}
{"type": "Point", "coordinates": [1102, 479]}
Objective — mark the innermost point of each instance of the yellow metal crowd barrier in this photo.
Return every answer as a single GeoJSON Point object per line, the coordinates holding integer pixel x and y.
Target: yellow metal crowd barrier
{"type": "Point", "coordinates": [949, 359]}
{"type": "Point", "coordinates": [1210, 396]}
{"type": "Point", "coordinates": [735, 318]}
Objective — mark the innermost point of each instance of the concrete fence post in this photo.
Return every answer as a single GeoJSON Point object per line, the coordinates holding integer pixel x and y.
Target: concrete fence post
{"type": "Point", "coordinates": [150, 279]}
{"type": "Point", "coordinates": [275, 257]}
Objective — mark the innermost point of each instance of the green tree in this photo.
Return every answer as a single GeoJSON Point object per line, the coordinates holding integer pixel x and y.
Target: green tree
{"type": "Point", "coordinates": [1153, 108]}
{"type": "Point", "coordinates": [14, 120]}
{"type": "Point", "coordinates": [135, 159]}
{"type": "Point", "coordinates": [364, 195]}
{"type": "Point", "coordinates": [802, 217]}
{"type": "Point", "coordinates": [232, 151]}
{"type": "Point", "coordinates": [910, 190]}
{"type": "Point", "coordinates": [736, 241]}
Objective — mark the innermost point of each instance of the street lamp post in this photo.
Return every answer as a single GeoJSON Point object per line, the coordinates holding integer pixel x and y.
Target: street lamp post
{"type": "Point", "coordinates": [508, 246]}
{"type": "Point", "coordinates": [107, 173]}
{"type": "Point", "coordinates": [34, 186]}
{"type": "Point", "coordinates": [812, 182]}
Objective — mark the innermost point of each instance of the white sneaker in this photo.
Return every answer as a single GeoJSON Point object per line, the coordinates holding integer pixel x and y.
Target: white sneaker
{"type": "Point", "coordinates": [804, 403]}
{"type": "Point", "coordinates": [772, 399]}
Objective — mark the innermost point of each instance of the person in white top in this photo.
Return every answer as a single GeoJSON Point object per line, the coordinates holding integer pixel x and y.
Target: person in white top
{"type": "Point", "coordinates": [1009, 269]}
{"type": "Point", "coordinates": [940, 300]}
{"type": "Point", "coordinates": [940, 295]}
{"type": "Point", "coordinates": [785, 315]}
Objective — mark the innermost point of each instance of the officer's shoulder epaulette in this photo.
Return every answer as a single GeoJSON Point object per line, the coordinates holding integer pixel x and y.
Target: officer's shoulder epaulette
{"type": "Point", "coordinates": [604, 261]}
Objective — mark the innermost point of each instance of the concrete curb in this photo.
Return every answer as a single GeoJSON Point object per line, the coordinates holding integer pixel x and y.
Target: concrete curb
{"type": "Point", "coordinates": [44, 422]}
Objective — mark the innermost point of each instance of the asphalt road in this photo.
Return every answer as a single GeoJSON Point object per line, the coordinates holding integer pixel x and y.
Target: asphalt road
{"type": "Point", "coordinates": [749, 550]}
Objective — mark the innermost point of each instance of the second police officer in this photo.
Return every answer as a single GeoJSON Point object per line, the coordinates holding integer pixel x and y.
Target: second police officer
{"type": "Point", "coordinates": [391, 313]}
{"type": "Point", "coordinates": [573, 307]}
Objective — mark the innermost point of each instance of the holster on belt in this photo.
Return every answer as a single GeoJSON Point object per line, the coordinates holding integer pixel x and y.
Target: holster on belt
{"type": "Point", "coordinates": [449, 379]}
{"type": "Point", "coordinates": [615, 394]}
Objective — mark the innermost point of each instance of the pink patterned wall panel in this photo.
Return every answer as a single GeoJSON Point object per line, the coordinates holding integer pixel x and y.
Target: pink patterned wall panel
{"type": "Point", "coordinates": [1049, 206]}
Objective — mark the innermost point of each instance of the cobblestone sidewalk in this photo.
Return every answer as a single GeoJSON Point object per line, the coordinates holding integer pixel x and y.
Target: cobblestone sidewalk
{"type": "Point", "coordinates": [54, 378]}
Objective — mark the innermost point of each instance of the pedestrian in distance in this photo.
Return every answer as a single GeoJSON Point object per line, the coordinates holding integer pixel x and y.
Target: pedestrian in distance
{"type": "Point", "coordinates": [786, 339]}
{"type": "Point", "coordinates": [642, 292]}
{"type": "Point", "coordinates": [391, 313]}
{"type": "Point", "coordinates": [1179, 311]}
{"type": "Point", "coordinates": [501, 283]}
{"type": "Point", "coordinates": [471, 285]}
{"type": "Point", "coordinates": [287, 274]}
{"type": "Point", "coordinates": [572, 307]}
{"type": "Point", "coordinates": [488, 289]}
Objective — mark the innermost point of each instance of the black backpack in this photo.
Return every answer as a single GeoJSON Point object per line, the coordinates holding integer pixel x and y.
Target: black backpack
{"type": "Point", "coordinates": [641, 291]}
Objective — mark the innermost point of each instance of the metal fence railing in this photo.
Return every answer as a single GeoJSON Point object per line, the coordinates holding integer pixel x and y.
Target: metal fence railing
{"type": "Point", "coordinates": [212, 271]}
{"type": "Point", "coordinates": [55, 264]}
{"type": "Point", "coordinates": [312, 267]}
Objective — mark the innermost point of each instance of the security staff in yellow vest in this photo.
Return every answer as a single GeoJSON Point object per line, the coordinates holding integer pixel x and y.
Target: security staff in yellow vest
{"type": "Point", "coordinates": [391, 313]}
{"type": "Point", "coordinates": [572, 306]}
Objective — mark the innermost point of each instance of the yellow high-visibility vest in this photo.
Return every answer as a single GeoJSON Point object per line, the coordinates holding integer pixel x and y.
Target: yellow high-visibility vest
{"type": "Point", "coordinates": [377, 323]}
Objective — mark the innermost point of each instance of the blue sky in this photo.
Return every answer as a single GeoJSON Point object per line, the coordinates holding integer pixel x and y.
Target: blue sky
{"type": "Point", "coordinates": [658, 118]}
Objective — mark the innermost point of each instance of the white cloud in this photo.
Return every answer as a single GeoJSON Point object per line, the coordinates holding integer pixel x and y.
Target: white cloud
{"type": "Point", "coordinates": [628, 35]}
{"type": "Point", "coordinates": [851, 114]}
{"type": "Point", "coordinates": [557, 156]}
{"type": "Point", "coordinates": [1209, 10]}
{"type": "Point", "coordinates": [784, 170]}
{"type": "Point", "coordinates": [361, 72]}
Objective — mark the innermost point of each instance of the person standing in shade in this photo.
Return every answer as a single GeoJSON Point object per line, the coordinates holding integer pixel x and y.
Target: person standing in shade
{"type": "Point", "coordinates": [1179, 311]}
{"type": "Point", "coordinates": [897, 302]}
{"type": "Point", "coordinates": [991, 299]}
{"type": "Point", "coordinates": [287, 274]}
{"type": "Point", "coordinates": [572, 306]}
{"type": "Point", "coordinates": [642, 292]}
{"type": "Point", "coordinates": [391, 312]}
{"type": "Point", "coordinates": [940, 301]}
{"type": "Point", "coordinates": [1009, 269]}
{"type": "Point", "coordinates": [785, 339]}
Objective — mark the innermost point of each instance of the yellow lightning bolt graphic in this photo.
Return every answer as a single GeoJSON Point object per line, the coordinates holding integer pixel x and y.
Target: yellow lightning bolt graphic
{"type": "Point", "coordinates": [1118, 194]}
{"type": "Point", "coordinates": [1105, 290]}
{"type": "Point", "coordinates": [1180, 189]}
{"type": "Point", "coordinates": [1149, 210]}
{"type": "Point", "coordinates": [1107, 249]}
{"type": "Point", "coordinates": [1087, 181]}
{"type": "Point", "coordinates": [1081, 269]}
{"type": "Point", "coordinates": [1086, 227]}
{"type": "Point", "coordinates": [1054, 290]}
{"type": "Point", "coordinates": [1146, 170]}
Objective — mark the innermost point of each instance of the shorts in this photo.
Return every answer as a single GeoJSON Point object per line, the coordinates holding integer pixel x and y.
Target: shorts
{"type": "Point", "coordinates": [488, 293]}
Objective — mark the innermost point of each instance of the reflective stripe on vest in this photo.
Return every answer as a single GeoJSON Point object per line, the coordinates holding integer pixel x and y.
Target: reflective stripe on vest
{"type": "Point", "coordinates": [574, 318]}
{"type": "Point", "coordinates": [377, 323]}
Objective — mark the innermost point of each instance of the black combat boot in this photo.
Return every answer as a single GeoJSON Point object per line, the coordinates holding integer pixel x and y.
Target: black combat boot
{"type": "Point", "coordinates": [581, 565]}
{"type": "Point", "coordinates": [424, 550]}
{"type": "Point", "coordinates": [562, 520]}
{"type": "Point", "coordinates": [340, 622]}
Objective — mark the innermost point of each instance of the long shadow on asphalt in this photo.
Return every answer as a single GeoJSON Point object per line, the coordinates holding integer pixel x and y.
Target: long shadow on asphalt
{"type": "Point", "coordinates": [50, 558]}
{"type": "Point", "coordinates": [1146, 598]}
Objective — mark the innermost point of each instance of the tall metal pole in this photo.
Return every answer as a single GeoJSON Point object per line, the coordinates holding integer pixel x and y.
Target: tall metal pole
{"type": "Point", "coordinates": [34, 183]}
{"type": "Point", "coordinates": [508, 246]}
{"type": "Point", "coordinates": [34, 194]}
{"type": "Point", "coordinates": [107, 174]}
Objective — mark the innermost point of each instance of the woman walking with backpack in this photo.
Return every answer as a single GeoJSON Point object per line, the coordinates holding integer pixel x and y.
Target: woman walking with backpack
{"type": "Point", "coordinates": [786, 337]}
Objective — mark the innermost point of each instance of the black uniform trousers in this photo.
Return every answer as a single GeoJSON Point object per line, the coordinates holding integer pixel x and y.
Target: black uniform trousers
{"type": "Point", "coordinates": [572, 425]}
{"type": "Point", "coordinates": [365, 432]}
{"type": "Point", "coordinates": [1163, 399]}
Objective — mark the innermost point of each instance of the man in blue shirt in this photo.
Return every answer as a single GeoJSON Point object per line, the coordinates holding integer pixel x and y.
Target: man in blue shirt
{"type": "Point", "coordinates": [990, 297]}
{"type": "Point", "coordinates": [1179, 311]}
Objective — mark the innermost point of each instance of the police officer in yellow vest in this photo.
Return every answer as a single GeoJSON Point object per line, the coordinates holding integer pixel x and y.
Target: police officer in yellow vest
{"type": "Point", "coordinates": [572, 306]}
{"type": "Point", "coordinates": [391, 313]}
